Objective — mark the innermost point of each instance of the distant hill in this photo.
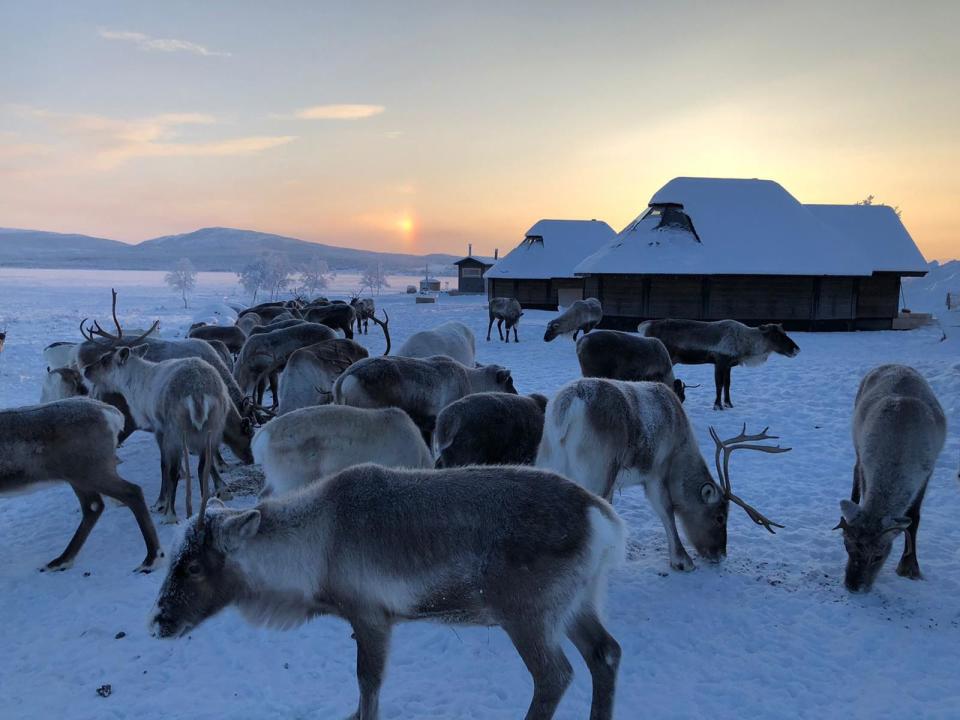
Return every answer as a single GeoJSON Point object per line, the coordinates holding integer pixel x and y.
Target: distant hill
{"type": "Point", "coordinates": [211, 249]}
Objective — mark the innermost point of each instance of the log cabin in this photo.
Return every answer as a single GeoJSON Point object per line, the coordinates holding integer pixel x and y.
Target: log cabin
{"type": "Point", "coordinates": [710, 248]}
{"type": "Point", "coordinates": [471, 271]}
{"type": "Point", "coordinates": [539, 271]}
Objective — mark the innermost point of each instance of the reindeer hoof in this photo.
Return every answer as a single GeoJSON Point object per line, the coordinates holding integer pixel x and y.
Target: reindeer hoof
{"type": "Point", "coordinates": [910, 571]}
{"type": "Point", "coordinates": [169, 518]}
{"type": "Point", "coordinates": [148, 565]}
{"type": "Point", "coordinates": [728, 403]}
{"type": "Point", "coordinates": [57, 565]}
{"type": "Point", "coordinates": [717, 406]}
{"type": "Point", "coordinates": [683, 563]}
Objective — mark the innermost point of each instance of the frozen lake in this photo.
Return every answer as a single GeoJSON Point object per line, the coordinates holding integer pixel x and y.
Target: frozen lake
{"type": "Point", "coordinates": [770, 632]}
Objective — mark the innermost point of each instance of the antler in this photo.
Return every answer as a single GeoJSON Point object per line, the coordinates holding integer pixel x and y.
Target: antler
{"type": "Point", "coordinates": [91, 332]}
{"type": "Point", "coordinates": [740, 442]}
{"type": "Point", "coordinates": [383, 326]}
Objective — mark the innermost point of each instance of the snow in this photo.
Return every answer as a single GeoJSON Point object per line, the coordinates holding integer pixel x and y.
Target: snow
{"type": "Point", "coordinates": [565, 243]}
{"type": "Point", "coordinates": [754, 227]}
{"type": "Point", "coordinates": [770, 632]}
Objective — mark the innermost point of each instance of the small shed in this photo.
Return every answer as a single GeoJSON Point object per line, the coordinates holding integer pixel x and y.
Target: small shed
{"type": "Point", "coordinates": [712, 248]}
{"type": "Point", "coordinates": [471, 271]}
{"type": "Point", "coordinates": [429, 284]}
{"type": "Point", "coordinates": [539, 272]}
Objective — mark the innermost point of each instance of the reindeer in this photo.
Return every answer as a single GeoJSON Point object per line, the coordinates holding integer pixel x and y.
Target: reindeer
{"type": "Point", "coordinates": [339, 316]}
{"type": "Point", "coordinates": [607, 435]}
{"type": "Point", "coordinates": [62, 383]}
{"type": "Point", "coordinates": [60, 355]}
{"type": "Point", "coordinates": [314, 442]}
{"type": "Point", "coordinates": [421, 387]}
{"type": "Point", "coordinates": [519, 548]}
{"type": "Point", "coordinates": [275, 325]}
{"type": "Point", "coordinates": [452, 338]}
{"type": "Point", "coordinates": [722, 343]}
{"type": "Point", "coordinates": [582, 316]}
{"type": "Point", "coordinates": [248, 322]}
{"type": "Point", "coordinates": [230, 335]}
{"type": "Point", "coordinates": [269, 312]}
{"type": "Point", "coordinates": [365, 310]}
{"type": "Point", "coordinates": [184, 403]}
{"type": "Point", "coordinates": [899, 429]}
{"type": "Point", "coordinates": [624, 356]}
{"type": "Point", "coordinates": [490, 428]}
{"type": "Point", "coordinates": [504, 310]}
{"type": "Point", "coordinates": [311, 371]}
{"type": "Point", "coordinates": [3, 338]}
{"type": "Point", "coordinates": [72, 441]}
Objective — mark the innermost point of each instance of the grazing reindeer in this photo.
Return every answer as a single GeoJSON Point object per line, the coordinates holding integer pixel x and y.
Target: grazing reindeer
{"type": "Point", "coordinates": [898, 431]}
{"type": "Point", "coordinates": [505, 310]}
{"type": "Point", "coordinates": [723, 344]}
{"type": "Point", "coordinates": [314, 442]}
{"type": "Point", "coordinates": [275, 325]}
{"type": "Point", "coordinates": [607, 435]}
{"type": "Point", "coordinates": [268, 352]}
{"type": "Point", "coordinates": [62, 383]}
{"type": "Point", "coordinates": [583, 316]}
{"type": "Point", "coordinates": [452, 338]}
{"type": "Point", "coordinates": [619, 355]}
{"type": "Point", "coordinates": [248, 322]}
{"type": "Point", "coordinates": [72, 441]}
{"type": "Point", "coordinates": [269, 312]}
{"type": "Point", "coordinates": [490, 428]}
{"type": "Point", "coordinates": [519, 548]}
{"type": "Point", "coordinates": [365, 309]}
{"type": "Point", "coordinates": [339, 316]}
{"type": "Point", "coordinates": [421, 387]}
{"type": "Point", "coordinates": [311, 371]}
{"type": "Point", "coordinates": [183, 402]}
{"type": "Point", "coordinates": [230, 335]}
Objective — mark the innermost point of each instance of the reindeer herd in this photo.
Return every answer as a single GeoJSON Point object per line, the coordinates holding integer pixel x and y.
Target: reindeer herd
{"type": "Point", "coordinates": [421, 485]}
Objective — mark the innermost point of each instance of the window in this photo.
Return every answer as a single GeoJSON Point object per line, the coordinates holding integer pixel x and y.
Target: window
{"type": "Point", "coordinates": [470, 272]}
{"type": "Point", "coordinates": [531, 240]}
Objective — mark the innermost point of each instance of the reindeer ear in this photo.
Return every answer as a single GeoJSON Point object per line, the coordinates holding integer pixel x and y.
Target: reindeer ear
{"type": "Point", "coordinates": [899, 524]}
{"type": "Point", "coordinates": [236, 529]}
{"type": "Point", "coordinates": [140, 350]}
{"type": "Point", "coordinates": [123, 354]}
{"type": "Point", "coordinates": [710, 493]}
{"type": "Point", "coordinates": [849, 510]}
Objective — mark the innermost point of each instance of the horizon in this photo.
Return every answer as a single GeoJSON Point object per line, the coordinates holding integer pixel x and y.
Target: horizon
{"type": "Point", "coordinates": [422, 131]}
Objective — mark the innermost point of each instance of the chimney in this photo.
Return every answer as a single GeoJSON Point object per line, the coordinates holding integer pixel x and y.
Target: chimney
{"type": "Point", "coordinates": [496, 253]}
{"type": "Point", "coordinates": [470, 250]}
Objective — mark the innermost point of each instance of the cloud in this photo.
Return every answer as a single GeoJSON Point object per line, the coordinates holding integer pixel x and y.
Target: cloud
{"type": "Point", "coordinates": [338, 112]}
{"type": "Point", "coordinates": [145, 42]}
{"type": "Point", "coordinates": [106, 143]}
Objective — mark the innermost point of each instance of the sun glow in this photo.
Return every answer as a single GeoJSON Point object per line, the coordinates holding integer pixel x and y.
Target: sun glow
{"type": "Point", "coordinates": [405, 224]}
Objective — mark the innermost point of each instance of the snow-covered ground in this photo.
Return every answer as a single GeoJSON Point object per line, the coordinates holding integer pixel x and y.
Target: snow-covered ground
{"type": "Point", "coordinates": [768, 633]}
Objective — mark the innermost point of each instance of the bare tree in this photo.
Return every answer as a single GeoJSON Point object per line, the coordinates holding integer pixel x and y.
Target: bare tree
{"type": "Point", "coordinates": [183, 278]}
{"type": "Point", "coordinates": [278, 273]}
{"type": "Point", "coordinates": [314, 275]}
{"type": "Point", "coordinates": [253, 278]}
{"type": "Point", "coordinates": [374, 278]}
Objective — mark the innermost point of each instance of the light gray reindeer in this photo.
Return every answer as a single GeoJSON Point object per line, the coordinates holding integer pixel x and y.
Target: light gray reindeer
{"type": "Point", "coordinates": [452, 338]}
{"type": "Point", "coordinates": [311, 371]}
{"type": "Point", "coordinates": [315, 442]}
{"type": "Point", "coordinates": [517, 547]}
{"type": "Point", "coordinates": [619, 355]}
{"type": "Point", "coordinates": [607, 435]}
{"type": "Point", "coordinates": [365, 310]}
{"type": "Point", "coordinates": [72, 441]}
{"type": "Point", "coordinates": [184, 403]}
{"type": "Point", "coordinates": [899, 429]}
{"type": "Point", "coordinates": [490, 428]}
{"type": "Point", "coordinates": [505, 310]}
{"type": "Point", "coordinates": [62, 383]}
{"type": "Point", "coordinates": [582, 316]}
{"type": "Point", "coordinates": [421, 387]}
{"type": "Point", "coordinates": [723, 344]}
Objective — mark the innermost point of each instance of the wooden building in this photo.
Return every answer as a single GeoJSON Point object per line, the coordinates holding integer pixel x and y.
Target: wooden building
{"type": "Point", "coordinates": [539, 272]}
{"type": "Point", "coordinates": [471, 270]}
{"type": "Point", "coordinates": [710, 249]}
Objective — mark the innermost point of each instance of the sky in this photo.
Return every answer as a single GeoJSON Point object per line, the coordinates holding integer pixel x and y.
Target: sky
{"type": "Point", "coordinates": [422, 127]}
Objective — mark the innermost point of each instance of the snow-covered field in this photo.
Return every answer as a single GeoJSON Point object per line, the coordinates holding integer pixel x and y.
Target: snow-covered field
{"type": "Point", "coordinates": [770, 632]}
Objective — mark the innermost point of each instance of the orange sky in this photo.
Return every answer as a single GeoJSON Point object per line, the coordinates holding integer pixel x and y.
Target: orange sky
{"type": "Point", "coordinates": [426, 129]}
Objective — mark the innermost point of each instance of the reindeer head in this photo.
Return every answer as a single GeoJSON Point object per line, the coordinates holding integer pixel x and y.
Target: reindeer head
{"type": "Point", "coordinates": [868, 541]}
{"type": "Point", "coordinates": [105, 373]}
{"type": "Point", "coordinates": [778, 341]}
{"type": "Point", "coordinates": [553, 330]}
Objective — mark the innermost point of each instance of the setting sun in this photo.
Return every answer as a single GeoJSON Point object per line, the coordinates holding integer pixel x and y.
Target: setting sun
{"type": "Point", "coordinates": [405, 224]}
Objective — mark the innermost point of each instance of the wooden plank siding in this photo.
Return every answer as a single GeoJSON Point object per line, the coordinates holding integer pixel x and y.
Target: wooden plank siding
{"type": "Point", "coordinates": [533, 294]}
{"type": "Point", "coordinates": [799, 302]}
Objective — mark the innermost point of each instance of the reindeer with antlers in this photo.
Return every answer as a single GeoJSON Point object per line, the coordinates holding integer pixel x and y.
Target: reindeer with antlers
{"type": "Point", "coordinates": [607, 435]}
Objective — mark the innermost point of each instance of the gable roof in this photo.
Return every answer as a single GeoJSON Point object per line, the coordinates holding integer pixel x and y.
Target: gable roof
{"type": "Point", "coordinates": [564, 244]}
{"type": "Point", "coordinates": [742, 227]}
{"type": "Point", "coordinates": [876, 232]}
{"type": "Point", "coordinates": [488, 261]}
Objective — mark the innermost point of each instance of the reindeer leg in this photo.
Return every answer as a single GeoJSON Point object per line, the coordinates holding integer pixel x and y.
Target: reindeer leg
{"type": "Point", "coordinates": [663, 507]}
{"type": "Point", "coordinates": [500, 328]}
{"type": "Point", "coordinates": [855, 492]}
{"type": "Point", "coordinates": [718, 382]}
{"type": "Point", "coordinates": [546, 663]}
{"type": "Point", "coordinates": [373, 644]}
{"type": "Point", "coordinates": [489, 327]}
{"type": "Point", "coordinates": [726, 387]}
{"type": "Point", "coordinates": [91, 507]}
{"type": "Point", "coordinates": [274, 390]}
{"type": "Point", "coordinates": [170, 461]}
{"type": "Point", "coordinates": [575, 332]}
{"type": "Point", "coordinates": [132, 496]}
{"type": "Point", "coordinates": [219, 489]}
{"type": "Point", "coordinates": [602, 655]}
{"type": "Point", "coordinates": [515, 338]}
{"type": "Point", "coordinates": [908, 566]}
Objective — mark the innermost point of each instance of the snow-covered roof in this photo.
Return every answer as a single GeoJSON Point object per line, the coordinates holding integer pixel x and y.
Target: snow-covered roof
{"type": "Point", "coordinates": [551, 249]}
{"type": "Point", "coordinates": [478, 258]}
{"type": "Point", "coordinates": [741, 227]}
{"type": "Point", "coordinates": [875, 232]}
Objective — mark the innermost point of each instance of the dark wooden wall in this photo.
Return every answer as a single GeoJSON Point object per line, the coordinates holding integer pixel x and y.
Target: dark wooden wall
{"type": "Point", "coordinates": [471, 284]}
{"type": "Point", "coordinates": [533, 294]}
{"type": "Point", "coordinates": [799, 302]}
